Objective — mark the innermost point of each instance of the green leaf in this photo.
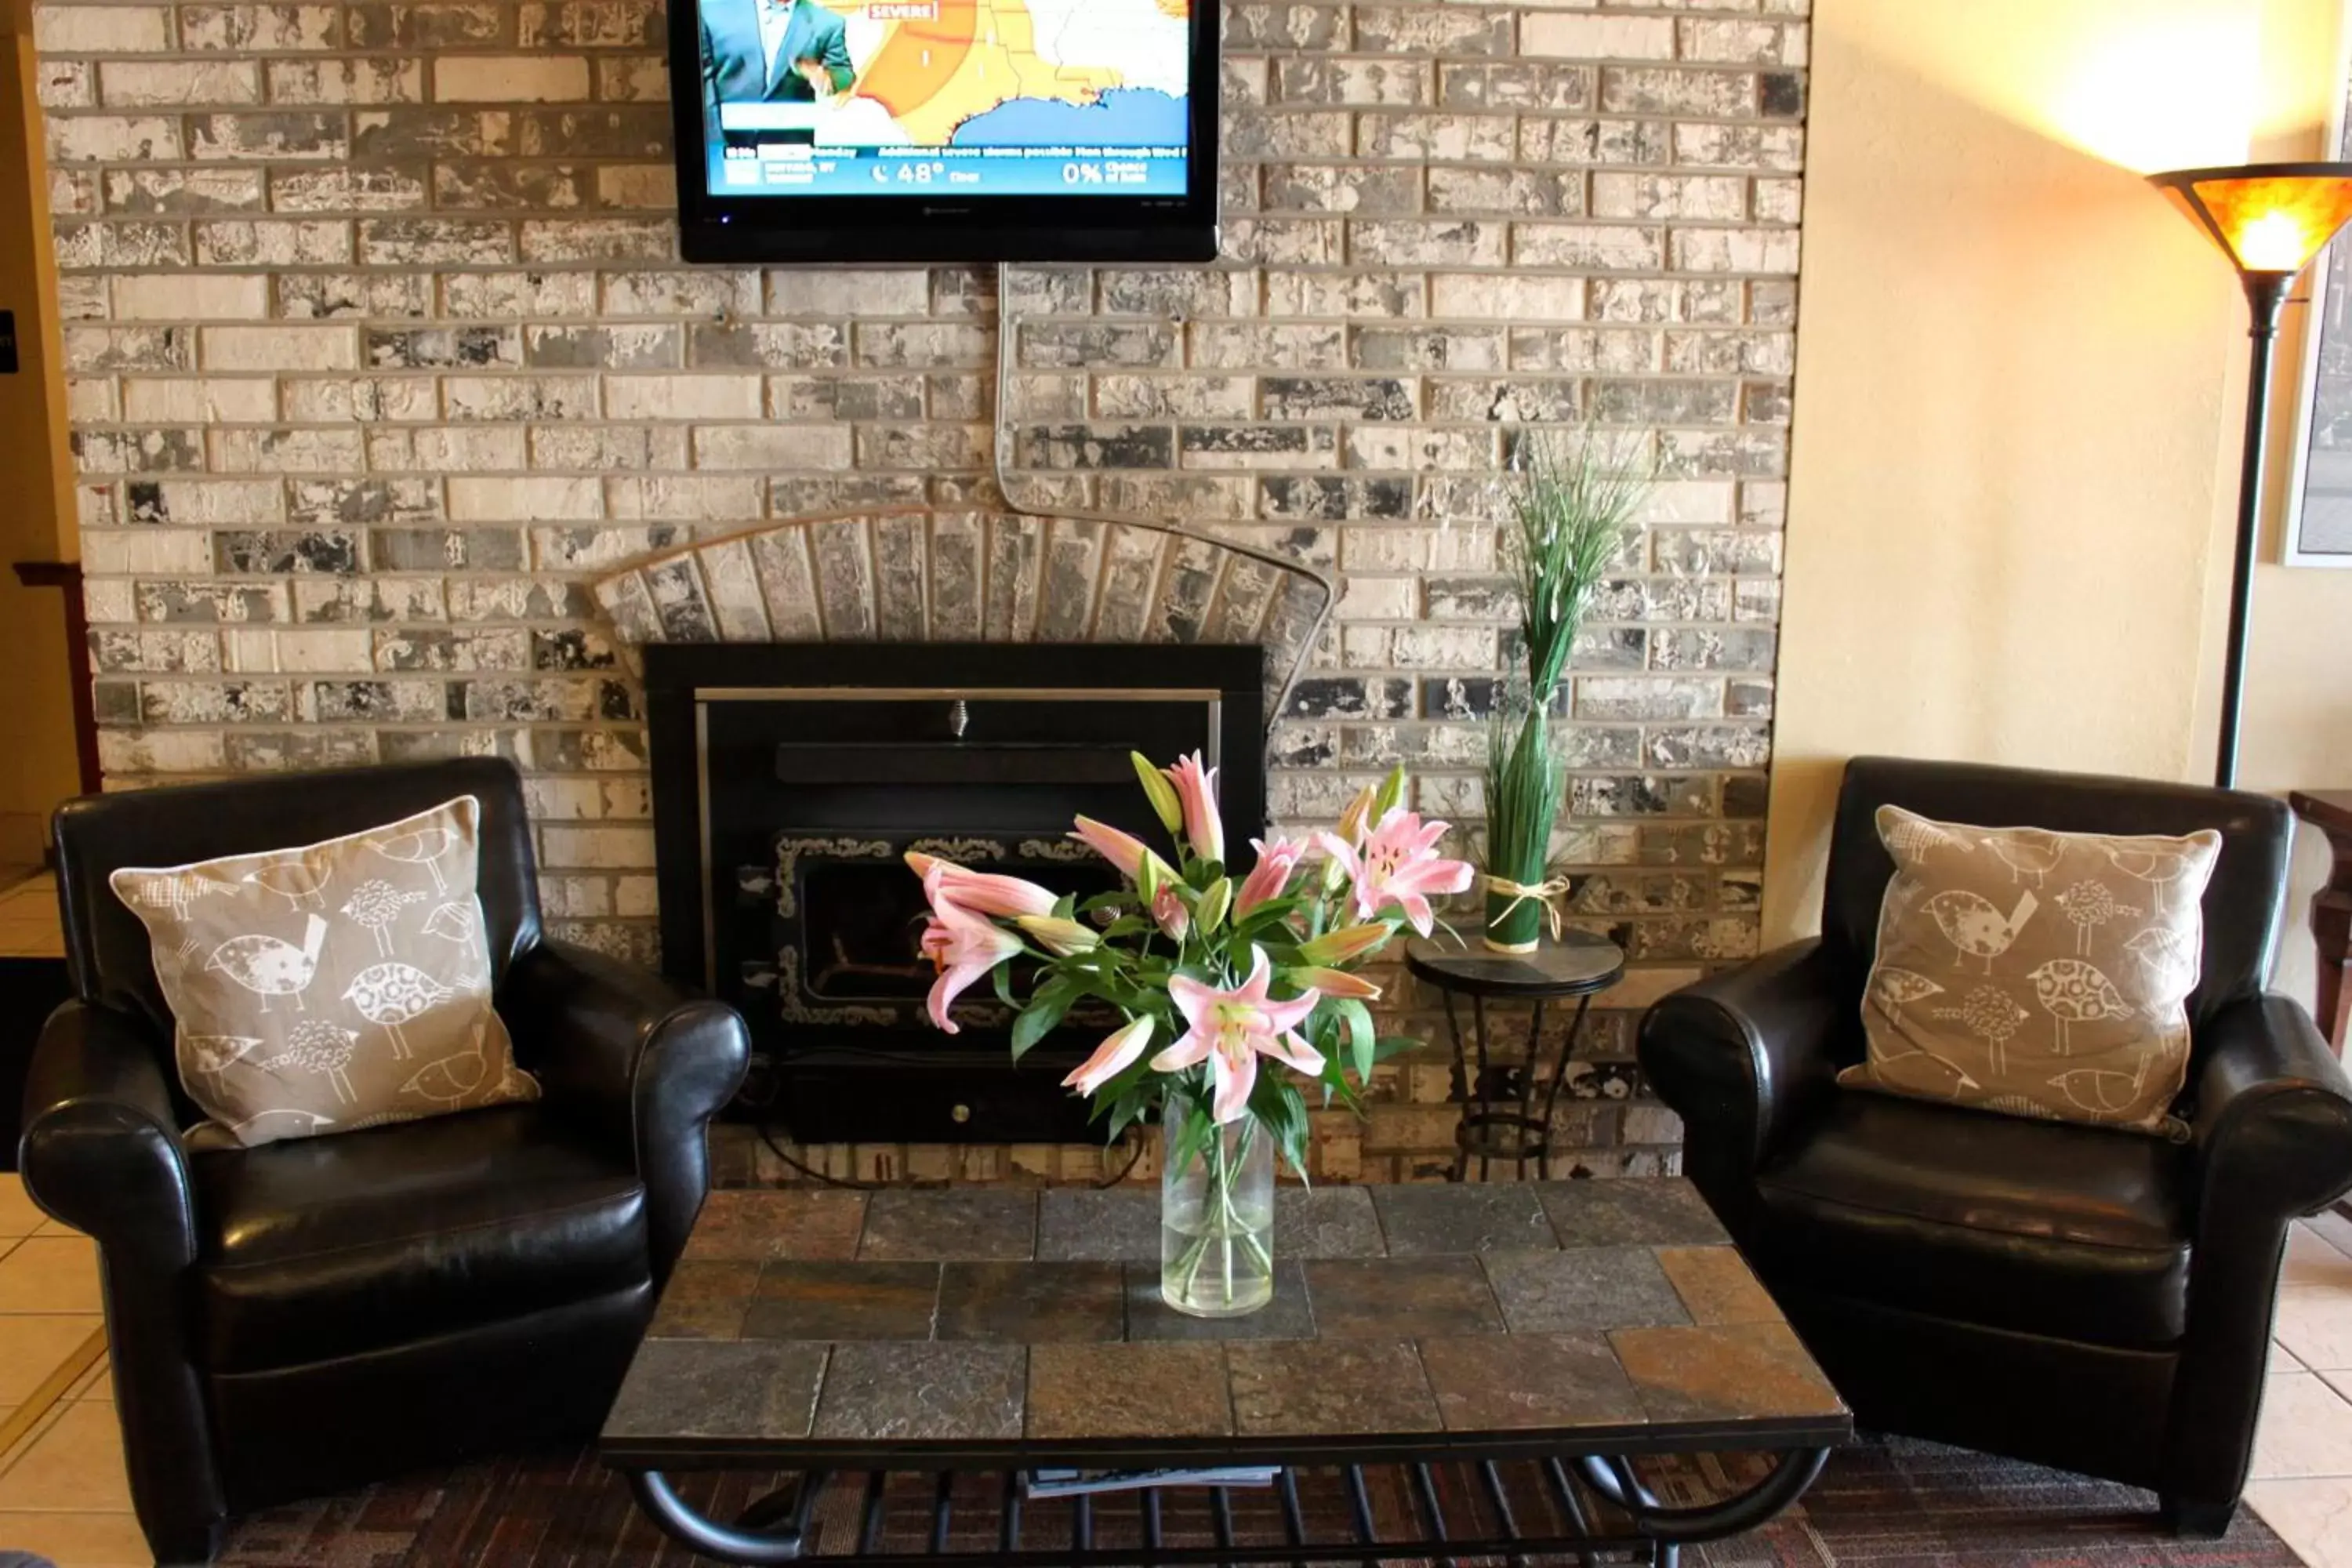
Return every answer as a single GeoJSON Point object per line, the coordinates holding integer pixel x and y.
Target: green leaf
{"type": "Point", "coordinates": [1043, 1014]}
{"type": "Point", "coordinates": [1362, 1042]}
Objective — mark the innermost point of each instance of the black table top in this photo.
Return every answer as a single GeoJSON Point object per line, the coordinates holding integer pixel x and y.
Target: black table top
{"type": "Point", "coordinates": [1578, 965]}
{"type": "Point", "coordinates": [995, 1328]}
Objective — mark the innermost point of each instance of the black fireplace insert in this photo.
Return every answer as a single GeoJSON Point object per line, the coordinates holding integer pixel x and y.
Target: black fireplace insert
{"type": "Point", "coordinates": [790, 781]}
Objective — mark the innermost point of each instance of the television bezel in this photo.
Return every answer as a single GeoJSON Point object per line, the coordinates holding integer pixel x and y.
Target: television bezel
{"type": "Point", "coordinates": [925, 227]}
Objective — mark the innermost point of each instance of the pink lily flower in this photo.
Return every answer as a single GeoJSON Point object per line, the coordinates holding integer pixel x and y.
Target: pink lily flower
{"type": "Point", "coordinates": [1123, 850]}
{"type": "Point", "coordinates": [1276, 864]}
{"type": "Point", "coordinates": [1169, 909]}
{"type": "Point", "coordinates": [978, 893]}
{"type": "Point", "coordinates": [1399, 864]}
{"type": "Point", "coordinates": [1196, 790]}
{"type": "Point", "coordinates": [1112, 1058]}
{"type": "Point", "coordinates": [962, 947]}
{"type": "Point", "coordinates": [1231, 1029]}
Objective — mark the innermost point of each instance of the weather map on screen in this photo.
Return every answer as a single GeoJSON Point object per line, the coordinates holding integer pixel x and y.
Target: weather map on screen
{"type": "Point", "coordinates": [963, 97]}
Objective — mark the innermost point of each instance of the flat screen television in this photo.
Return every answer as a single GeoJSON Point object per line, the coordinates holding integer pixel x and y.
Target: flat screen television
{"type": "Point", "coordinates": [847, 130]}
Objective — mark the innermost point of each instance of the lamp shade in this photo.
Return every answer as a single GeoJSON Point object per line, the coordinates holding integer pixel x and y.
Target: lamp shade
{"type": "Point", "coordinates": [2268, 217]}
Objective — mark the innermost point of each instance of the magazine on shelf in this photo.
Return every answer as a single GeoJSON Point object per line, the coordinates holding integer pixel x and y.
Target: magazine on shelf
{"type": "Point", "coordinates": [1051, 1483]}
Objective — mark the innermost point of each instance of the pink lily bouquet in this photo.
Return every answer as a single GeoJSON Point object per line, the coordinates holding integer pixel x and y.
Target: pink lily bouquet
{"type": "Point", "coordinates": [1207, 975]}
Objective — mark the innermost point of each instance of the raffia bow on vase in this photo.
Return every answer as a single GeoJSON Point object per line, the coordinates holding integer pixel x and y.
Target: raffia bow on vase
{"type": "Point", "coordinates": [1549, 900]}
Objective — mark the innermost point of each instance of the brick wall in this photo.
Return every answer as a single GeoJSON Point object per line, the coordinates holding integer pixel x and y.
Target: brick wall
{"type": "Point", "coordinates": [380, 354]}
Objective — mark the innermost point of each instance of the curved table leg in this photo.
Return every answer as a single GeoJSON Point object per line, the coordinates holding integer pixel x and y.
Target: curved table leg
{"type": "Point", "coordinates": [1615, 1480]}
{"type": "Point", "coordinates": [770, 1531]}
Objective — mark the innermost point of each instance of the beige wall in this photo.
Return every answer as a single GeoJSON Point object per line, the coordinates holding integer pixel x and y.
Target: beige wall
{"type": "Point", "coordinates": [36, 754]}
{"type": "Point", "coordinates": [2017, 400]}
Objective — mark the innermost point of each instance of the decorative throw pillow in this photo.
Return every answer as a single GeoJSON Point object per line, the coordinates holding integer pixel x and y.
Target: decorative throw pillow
{"type": "Point", "coordinates": [341, 985]}
{"type": "Point", "coordinates": [2034, 972]}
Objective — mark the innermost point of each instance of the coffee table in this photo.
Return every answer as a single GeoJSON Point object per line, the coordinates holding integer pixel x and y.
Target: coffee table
{"type": "Point", "coordinates": [1476, 1365]}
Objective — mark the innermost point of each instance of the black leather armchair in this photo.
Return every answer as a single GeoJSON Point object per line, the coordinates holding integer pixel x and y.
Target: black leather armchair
{"type": "Point", "coordinates": [2078, 1297]}
{"type": "Point", "coordinates": [302, 1317]}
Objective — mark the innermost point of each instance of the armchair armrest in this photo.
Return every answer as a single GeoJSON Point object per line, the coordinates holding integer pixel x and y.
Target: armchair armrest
{"type": "Point", "coordinates": [637, 1059]}
{"type": "Point", "coordinates": [102, 1144]}
{"type": "Point", "coordinates": [2272, 1128]}
{"type": "Point", "coordinates": [2272, 1139]}
{"type": "Point", "coordinates": [1742, 1054]}
{"type": "Point", "coordinates": [102, 1152]}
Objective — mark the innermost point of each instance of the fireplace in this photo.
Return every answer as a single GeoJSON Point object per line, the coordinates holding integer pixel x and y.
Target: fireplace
{"type": "Point", "coordinates": [791, 779]}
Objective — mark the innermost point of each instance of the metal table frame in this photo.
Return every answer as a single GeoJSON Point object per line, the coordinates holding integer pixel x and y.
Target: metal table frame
{"type": "Point", "coordinates": [774, 1528]}
{"type": "Point", "coordinates": [1490, 1129]}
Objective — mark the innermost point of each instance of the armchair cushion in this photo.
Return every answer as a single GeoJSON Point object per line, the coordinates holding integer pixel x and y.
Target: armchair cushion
{"type": "Point", "coordinates": [2034, 972]}
{"type": "Point", "coordinates": [374, 938]}
{"type": "Point", "coordinates": [329, 1246]}
{"type": "Point", "coordinates": [2068, 1232]}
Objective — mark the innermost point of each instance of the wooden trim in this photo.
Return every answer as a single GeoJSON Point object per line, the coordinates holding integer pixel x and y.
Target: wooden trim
{"type": "Point", "coordinates": [16, 18]}
{"type": "Point", "coordinates": [53, 1389]}
{"type": "Point", "coordinates": [66, 576]}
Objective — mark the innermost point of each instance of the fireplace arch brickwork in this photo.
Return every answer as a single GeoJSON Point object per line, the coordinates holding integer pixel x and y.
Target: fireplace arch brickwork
{"type": "Point", "coordinates": [983, 576]}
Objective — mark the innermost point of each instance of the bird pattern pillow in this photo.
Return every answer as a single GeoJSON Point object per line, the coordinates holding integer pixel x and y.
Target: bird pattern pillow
{"type": "Point", "coordinates": [2036, 974]}
{"type": "Point", "coordinates": [330, 988]}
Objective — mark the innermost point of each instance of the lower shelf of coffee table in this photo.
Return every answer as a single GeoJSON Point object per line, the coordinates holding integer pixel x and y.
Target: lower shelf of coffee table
{"type": "Point", "coordinates": [1582, 1510]}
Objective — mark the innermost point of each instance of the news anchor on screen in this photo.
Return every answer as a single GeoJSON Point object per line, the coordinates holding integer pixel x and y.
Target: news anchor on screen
{"type": "Point", "coordinates": [772, 51]}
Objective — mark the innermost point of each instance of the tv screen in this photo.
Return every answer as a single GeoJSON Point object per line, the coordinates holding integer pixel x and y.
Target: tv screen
{"type": "Point", "coordinates": [946, 130]}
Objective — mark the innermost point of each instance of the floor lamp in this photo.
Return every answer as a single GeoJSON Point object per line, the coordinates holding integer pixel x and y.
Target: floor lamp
{"type": "Point", "coordinates": [2270, 219]}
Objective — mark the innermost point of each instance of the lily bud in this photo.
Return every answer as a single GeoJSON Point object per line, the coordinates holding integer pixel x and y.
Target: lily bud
{"type": "Point", "coordinates": [1210, 912]}
{"type": "Point", "coordinates": [1392, 794]}
{"type": "Point", "coordinates": [1357, 819]}
{"type": "Point", "coordinates": [1062, 938]}
{"type": "Point", "coordinates": [1334, 983]}
{"type": "Point", "coordinates": [1346, 945]}
{"type": "Point", "coordinates": [1159, 790]}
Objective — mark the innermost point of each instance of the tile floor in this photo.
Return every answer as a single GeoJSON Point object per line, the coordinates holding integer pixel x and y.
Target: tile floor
{"type": "Point", "coordinates": [28, 917]}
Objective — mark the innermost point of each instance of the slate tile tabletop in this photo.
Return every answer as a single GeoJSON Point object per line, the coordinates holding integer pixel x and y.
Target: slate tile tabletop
{"type": "Point", "coordinates": [991, 1326]}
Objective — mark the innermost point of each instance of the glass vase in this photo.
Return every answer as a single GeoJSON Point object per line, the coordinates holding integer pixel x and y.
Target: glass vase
{"type": "Point", "coordinates": [1216, 1218]}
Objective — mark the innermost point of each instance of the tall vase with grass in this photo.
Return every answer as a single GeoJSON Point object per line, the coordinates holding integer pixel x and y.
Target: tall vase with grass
{"type": "Point", "coordinates": [1573, 502]}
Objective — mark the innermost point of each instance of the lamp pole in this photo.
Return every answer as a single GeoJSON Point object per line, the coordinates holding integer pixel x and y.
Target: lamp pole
{"type": "Point", "coordinates": [2265, 294]}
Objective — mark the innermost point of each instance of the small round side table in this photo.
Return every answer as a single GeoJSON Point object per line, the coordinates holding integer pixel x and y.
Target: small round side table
{"type": "Point", "coordinates": [1492, 1127]}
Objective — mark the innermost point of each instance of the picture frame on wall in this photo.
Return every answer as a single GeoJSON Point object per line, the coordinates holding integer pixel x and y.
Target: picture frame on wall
{"type": "Point", "coordinates": [2317, 528]}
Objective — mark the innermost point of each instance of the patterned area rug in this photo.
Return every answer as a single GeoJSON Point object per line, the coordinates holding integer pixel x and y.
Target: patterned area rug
{"type": "Point", "coordinates": [1885, 1503]}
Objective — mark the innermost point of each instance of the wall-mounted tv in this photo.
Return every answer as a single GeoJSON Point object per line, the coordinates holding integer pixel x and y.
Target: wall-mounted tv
{"type": "Point", "coordinates": [846, 131]}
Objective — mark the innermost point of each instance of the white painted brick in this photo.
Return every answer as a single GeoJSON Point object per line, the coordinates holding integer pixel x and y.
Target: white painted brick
{"type": "Point", "coordinates": [114, 138]}
{"type": "Point", "coordinates": [510, 78]}
{"type": "Point", "coordinates": [524, 500]}
{"type": "Point", "coordinates": [1366, 598]}
{"type": "Point", "coordinates": [80, 28]}
{"type": "Point", "coordinates": [143, 84]}
{"type": "Point", "coordinates": [1564, 35]}
{"type": "Point", "coordinates": [682, 396]}
{"type": "Point", "coordinates": [193, 400]}
{"type": "Point", "coordinates": [123, 753]}
{"type": "Point", "coordinates": [148, 552]}
{"type": "Point", "coordinates": [1691, 500]}
{"type": "Point", "coordinates": [1514, 297]}
{"type": "Point", "coordinates": [295, 348]}
{"type": "Point", "coordinates": [881, 291]}
{"type": "Point", "coordinates": [619, 848]}
{"type": "Point", "coordinates": [189, 297]}
{"type": "Point", "coordinates": [89, 401]}
{"type": "Point", "coordinates": [825, 447]}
